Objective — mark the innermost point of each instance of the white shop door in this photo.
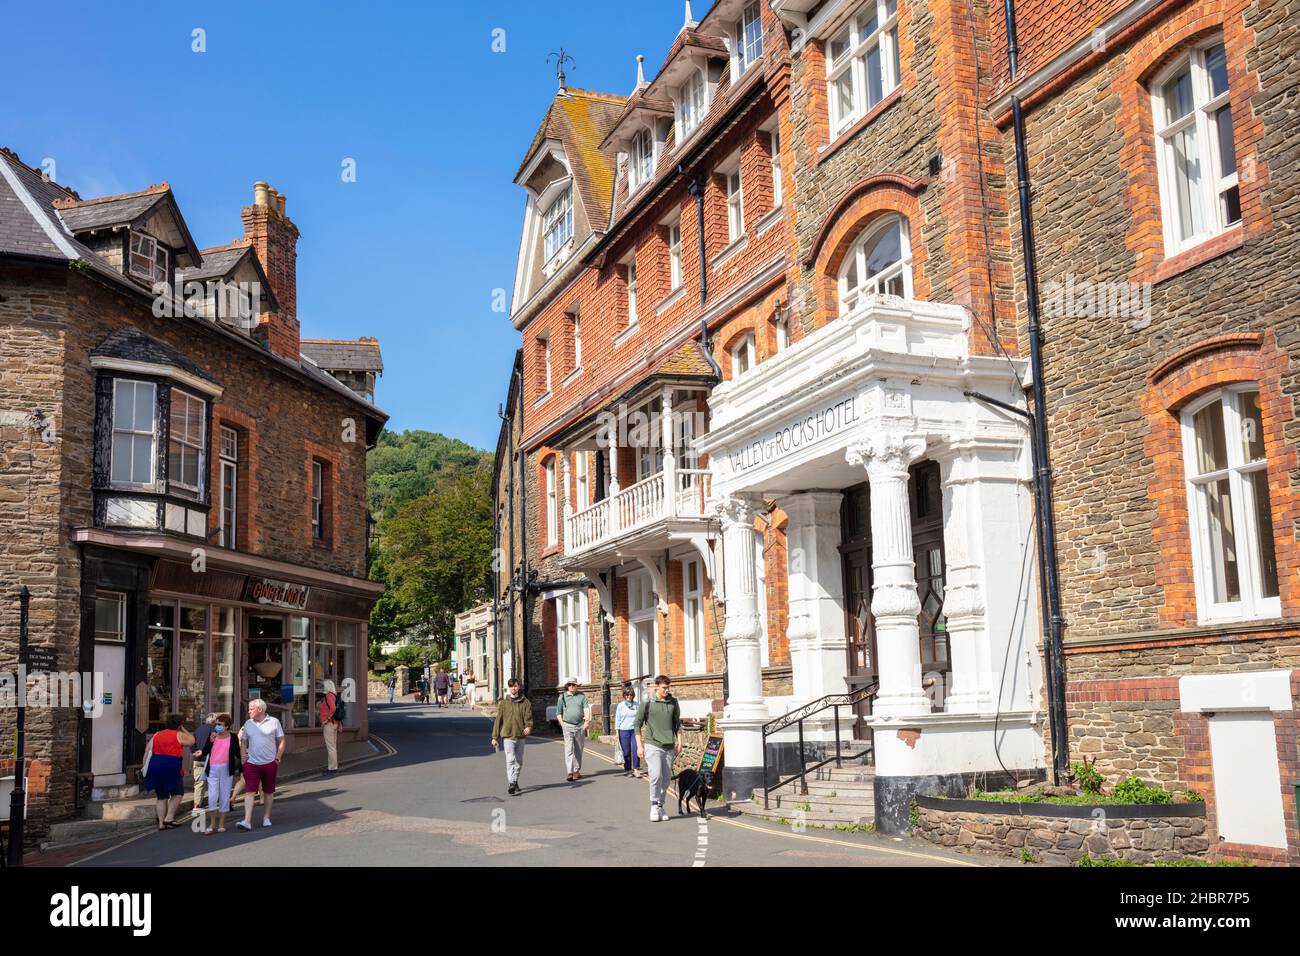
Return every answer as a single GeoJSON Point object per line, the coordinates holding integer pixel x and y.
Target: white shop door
{"type": "Point", "coordinates": [107, 730]}
{"type": "Point", "coordinates": [1247, 782]}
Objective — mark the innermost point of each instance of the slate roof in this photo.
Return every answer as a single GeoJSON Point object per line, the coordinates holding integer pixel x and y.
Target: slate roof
{"type": "Point", "coordinates": [135, 345]}
{"type": "Point", "coordinates": [580, 120]}
{"type": "Point", "coordinates": [80, 215]}
{"type": "Point", "coordinates": [344, 355]}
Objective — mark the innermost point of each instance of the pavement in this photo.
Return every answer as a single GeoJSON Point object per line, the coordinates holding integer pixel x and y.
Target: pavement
{"type": "Point", "coordinates": [436, 796]}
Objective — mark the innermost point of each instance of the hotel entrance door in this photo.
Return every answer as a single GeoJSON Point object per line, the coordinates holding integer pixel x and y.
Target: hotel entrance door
{"type": "Point", "coordinates": [855, 550]}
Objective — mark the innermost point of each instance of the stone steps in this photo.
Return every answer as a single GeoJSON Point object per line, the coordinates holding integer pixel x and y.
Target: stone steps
{"type": "Point", "coordinates": [821, 817]}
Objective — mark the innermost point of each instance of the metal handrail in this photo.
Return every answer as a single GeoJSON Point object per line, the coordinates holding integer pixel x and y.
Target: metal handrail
{"type": "Point", "coordinates": [798, 716]}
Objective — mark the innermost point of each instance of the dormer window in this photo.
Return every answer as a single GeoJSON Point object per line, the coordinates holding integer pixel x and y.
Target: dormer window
{"type": "Point", "coordinates": [557, 223]}
{"type": "Point", "coordinates": [148, 259]}
{"type": "Point", "coordinates": [641, 169]}
{"type": "Point", "coordinates": [748, 38]}
{"type": "Point", "coordinates": [692, 107]}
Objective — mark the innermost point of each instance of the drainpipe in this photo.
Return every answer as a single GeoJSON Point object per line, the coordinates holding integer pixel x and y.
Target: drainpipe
{"type": "Point", "coordinates": [1049, 582]}
{"type": "Point", "coordinates": [695, 186]}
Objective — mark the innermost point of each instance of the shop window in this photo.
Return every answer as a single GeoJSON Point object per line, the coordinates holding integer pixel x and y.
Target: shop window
{"type": "Point", "coordinates": [297, 689]}
{"type": "Point", "coordinates": [223, 660]}
{"type": "Point", "coordinates": [1234, 558]}
{"type": "Point", "coordinates": [191, 664]}
{"type": "Point", "coordinates": [1194, 143]}
{"type": "Point", "coordinates": [158, 664]}
{"type": "Point", "coordinates": [880, 262]}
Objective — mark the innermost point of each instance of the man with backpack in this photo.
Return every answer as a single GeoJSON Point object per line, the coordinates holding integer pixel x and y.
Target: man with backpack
{"type": "Point", "coordinates": [659, 741]}
{"type": "Point", "coordinates": [333, 711]}
{"type": "Point", "coordinates": [514, 722]}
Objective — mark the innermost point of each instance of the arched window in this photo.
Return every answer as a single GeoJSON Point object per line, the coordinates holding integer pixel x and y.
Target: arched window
{"type": "Point", "coordinates": [1228, 502]}
{"type": "Point", "coordinates": [880, 261]}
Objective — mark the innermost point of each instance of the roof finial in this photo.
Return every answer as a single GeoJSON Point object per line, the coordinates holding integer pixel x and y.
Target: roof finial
{"type": "Point", "coordinates": [690, 20]}
{"type": "Point", "coordinates": [559, 65]}
{"type": "Point", "coordinates": [640, 72]}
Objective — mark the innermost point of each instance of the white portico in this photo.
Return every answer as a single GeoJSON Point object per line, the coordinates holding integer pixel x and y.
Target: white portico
{"type": "Point", "coordinates": [868, 408]}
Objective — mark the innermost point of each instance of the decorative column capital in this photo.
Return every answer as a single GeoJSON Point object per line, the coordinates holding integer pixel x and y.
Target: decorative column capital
{"type": "Point", "coordinates": [886, 453]}
{"type": "Point", "coordinates": [735, 510]}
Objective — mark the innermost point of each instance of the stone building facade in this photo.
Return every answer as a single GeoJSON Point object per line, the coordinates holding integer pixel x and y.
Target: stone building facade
{"type": "Point", "coordinates": [1171, 339]}
{"type": "Point", "coordinates": [183, 494]}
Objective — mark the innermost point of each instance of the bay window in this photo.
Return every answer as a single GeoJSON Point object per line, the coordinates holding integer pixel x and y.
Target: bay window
{"type": "Point", "coordinates": [862, 64]}
{"type": "Point", "coordinates": [187, 443]}
{"type": "Point", "coordinates": [135, 433]}
{"type": "Point", "coordinates": [1196, 153]}
{"type": "Point", "coordinates": [1231, 516]}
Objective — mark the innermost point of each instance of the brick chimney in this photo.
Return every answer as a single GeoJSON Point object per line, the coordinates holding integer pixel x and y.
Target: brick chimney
{"type": "Point", "coordinates": [275, 239]}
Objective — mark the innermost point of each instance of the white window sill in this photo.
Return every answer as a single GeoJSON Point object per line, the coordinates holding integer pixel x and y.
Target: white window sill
{"type": "Point", "coordinates": [671, 299]}
{"type": "Point", "coordinates": [726, 254]}
{"type": "Point", "coordinates": [572, 376]}
{"type": "Point", "coordinates": [627, 333]}
{"type": "Point", "coordinates": [542, 399]}
{"type": "Point", "coordinates": [771, 219]}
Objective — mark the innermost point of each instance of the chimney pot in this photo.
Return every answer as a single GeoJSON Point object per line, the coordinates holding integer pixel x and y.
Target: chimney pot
{"type": "Point", "coordinates": [260, 190]}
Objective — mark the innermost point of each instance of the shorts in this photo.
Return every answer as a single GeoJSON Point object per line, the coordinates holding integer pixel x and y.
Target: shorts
{"type": "Point", "coordinates": [260, 774]}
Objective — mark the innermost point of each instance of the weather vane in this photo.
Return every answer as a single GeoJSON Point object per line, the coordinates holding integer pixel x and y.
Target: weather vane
{"type": "Point", "coordinates": [559, 64]}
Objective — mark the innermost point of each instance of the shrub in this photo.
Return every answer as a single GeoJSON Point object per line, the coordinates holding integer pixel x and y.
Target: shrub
{"type": "Point", "coordinates": [1133, 790]}
{"type": "Point", "coordinates": [1087, 775]}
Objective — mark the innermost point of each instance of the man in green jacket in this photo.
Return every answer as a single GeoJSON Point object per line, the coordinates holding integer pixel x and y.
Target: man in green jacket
{"type": "Point", "coordinates": [659, 741]}
{"type": "Point", "coordinates": [514, 722]}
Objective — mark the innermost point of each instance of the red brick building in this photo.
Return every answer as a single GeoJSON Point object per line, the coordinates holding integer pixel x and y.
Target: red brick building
{"type": "Point", "coordinates": [183, 492]}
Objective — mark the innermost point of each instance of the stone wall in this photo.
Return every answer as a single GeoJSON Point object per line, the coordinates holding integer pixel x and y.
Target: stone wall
{"type": "Point", "coordinates": [1063, 840]}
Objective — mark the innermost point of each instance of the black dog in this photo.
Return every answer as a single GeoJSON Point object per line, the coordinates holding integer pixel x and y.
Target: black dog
{"type": "Point", "coordinates": [693, 785]}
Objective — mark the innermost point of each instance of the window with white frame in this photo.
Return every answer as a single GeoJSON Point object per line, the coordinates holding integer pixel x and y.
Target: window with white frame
{"type": "Point", "coordinates": [880, 262]}
{"type": "Point", "coordinates": [186, 443]}
{"type": "Point", "coordinates": [748, 38]}
{"type": "Point", "coordinates": [1228, 499]}
{"type": "Point", "coordinates": [774, 145]}
{"type": "Point", "coordinates": [557, 223]}
{"type": "Point", "coordinates": [675, 257]}
{"type": "Point", "coordinates": [631, 291]}
{"type": "Point", "coordinates": [642, 166]}
{"type": "Point", "coordinates": [735, 206]}
{"type": "Point", "coordinates": [691, 107]}
{"type": "Point", "coordinates": [318, 500]}
{"type": "Point", "coordinates": [862, 65]}
{"type": "Point", "coordinates": [742, 355]}
{"type": "Point", "coordinates": [782, 323]}
{"type": "Point", "coordinates": [135, 433]}
{"type": "Point", "coordinates": [581, 485]}
{"type": "Point", "coordinates": [148, 258]}
{"type": "Point", "coordinates": [228, 511]}
{"type": "Point", "coordinates": [1197, 156]}
{"type": "Point", "coordinates": [693, 615]}
{"type": "Point", "coordinates": [552, 505]}
{"type": "Point", "coordinates": [643, 634]}
{"type": "Point", "coordinates": [571, 636]}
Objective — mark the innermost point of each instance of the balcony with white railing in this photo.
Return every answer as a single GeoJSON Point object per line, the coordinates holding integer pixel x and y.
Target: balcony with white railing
{"type": "Point", "coordinates": [638, 508]}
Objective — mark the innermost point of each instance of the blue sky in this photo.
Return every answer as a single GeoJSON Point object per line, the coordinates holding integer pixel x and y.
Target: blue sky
{"type": "Point", "coordinates": [436, 121]}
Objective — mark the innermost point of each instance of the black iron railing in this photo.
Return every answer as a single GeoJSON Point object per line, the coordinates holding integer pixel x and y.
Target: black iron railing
{"type": "Point", "coordinates": [832, 702]}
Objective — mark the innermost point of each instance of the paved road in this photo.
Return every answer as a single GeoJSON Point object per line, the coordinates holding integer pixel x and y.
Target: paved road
{"type": "Point", "coordinates": [440, 800]}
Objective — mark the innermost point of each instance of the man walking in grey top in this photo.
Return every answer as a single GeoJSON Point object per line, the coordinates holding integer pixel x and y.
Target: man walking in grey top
{"type": "Point", "coordinates": [574, 715]}
{"type": "Point", "coordinates": [659, 741]}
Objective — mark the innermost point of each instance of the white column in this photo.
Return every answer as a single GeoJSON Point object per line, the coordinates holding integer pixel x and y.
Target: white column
{"type": "Point", "coordinates": [818, 643]}
{"type": "Point", "coordinates": [746, 710]}
{"type": "Point", "coordinates": [670, 458]}
{"type": "Point", "coordinates": [894, 603]}
{"type": "Point", "coordinates": [612, 467]}
{"type": "Point", "coordinates": [963, 596]}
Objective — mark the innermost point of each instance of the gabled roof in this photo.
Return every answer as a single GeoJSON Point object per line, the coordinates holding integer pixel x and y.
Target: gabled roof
{"type": "Point", "coordinates": [344, 355]}
{"type": "Point", "coordinates": [130, 210]}
{"type": "Point", "coordinates": [220, 262]}
{"type": "Point", "coordinates": [579, 120]}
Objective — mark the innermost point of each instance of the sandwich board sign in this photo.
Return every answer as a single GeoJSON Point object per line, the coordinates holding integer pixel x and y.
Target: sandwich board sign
{"type": "Point", "coordinates": [712, 754]}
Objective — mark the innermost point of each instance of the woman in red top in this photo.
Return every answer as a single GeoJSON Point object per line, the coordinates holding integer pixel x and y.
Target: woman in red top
{"type": "Point", "coordinates": [163, 770]}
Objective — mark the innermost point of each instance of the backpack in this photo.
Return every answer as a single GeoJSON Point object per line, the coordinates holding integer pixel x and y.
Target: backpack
{"type": "Point", "coordinates": [340, 709]}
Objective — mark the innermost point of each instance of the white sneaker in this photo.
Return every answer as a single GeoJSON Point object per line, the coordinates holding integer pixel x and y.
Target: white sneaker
{"type": "Point", "coordinates": [663, 814]}
{"type": "Point", "coordinates": [655, 813]}
{"type": "Point", "coordinates": [266, 823]}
